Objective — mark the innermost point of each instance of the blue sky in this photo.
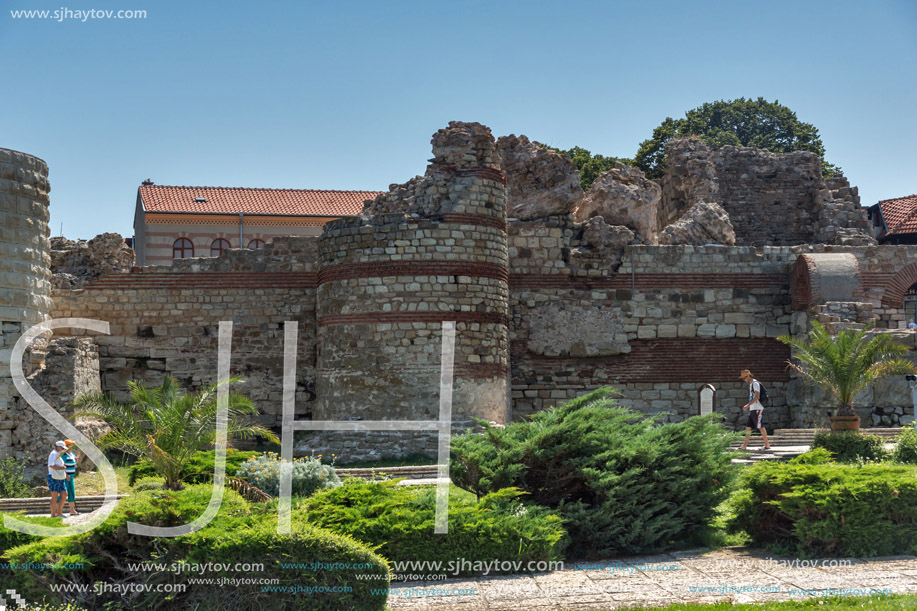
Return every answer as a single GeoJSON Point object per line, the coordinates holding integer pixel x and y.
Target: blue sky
{"type": "Point", "coordinates": [345, 95]}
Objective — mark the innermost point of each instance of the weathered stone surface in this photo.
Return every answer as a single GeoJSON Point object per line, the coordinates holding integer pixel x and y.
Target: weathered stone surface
{"type": "Point", "coordinates": [459, 148]}
{"type": "Point", "coordinates": [603, 244]}
{"type": "Point", "coordinates": [690, 178]}
{"type": "Point", "coordinates": [624, 196]}
{"type": "Point", "coordinates": [771, 199]}
{"type": "Point", "coordinates": [577, 331]}
{"type": "Point", "coordinates": [852, 237]}
{"type": "Point", "coordinates": [539, 181]}
{"type": "Point", "coordinates": [604, 237]}
{"type": "Point", "coordinates": [75, 262]}
{"type": "Point", "coordinates": [703, 223]}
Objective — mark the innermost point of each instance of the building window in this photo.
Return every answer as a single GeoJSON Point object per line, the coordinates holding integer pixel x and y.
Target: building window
{"type": "Point", "coordinates": [218, 246]}
{"type": "Point", "coordinates": [256, 243]}
{"type": "Point", "coordinates": [182, 248]}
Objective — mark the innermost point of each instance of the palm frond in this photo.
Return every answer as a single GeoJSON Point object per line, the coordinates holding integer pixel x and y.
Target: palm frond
{"type": "Point", "coordinates": [848, 363]}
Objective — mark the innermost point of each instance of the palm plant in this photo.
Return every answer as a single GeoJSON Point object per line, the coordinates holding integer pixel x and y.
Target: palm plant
{"type": "Point", "coordinates": [166, 425]}
{"type": "Point", "coordinates": [846, 364]}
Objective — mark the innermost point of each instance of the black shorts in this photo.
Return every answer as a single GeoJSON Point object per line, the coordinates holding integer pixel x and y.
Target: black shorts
{"type": "Point", "coordinates": [754, 418]}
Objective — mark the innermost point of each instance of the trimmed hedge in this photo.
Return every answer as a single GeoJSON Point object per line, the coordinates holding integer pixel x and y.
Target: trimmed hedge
{"type": "Point", "coordinates": [829, 509]}
{"type": "Point", "coordinates": [398, 522]}
{"type": "Point", "coordinates": [851, 447]}
{"type": "Point", "coordinates": [240, 533]}
{"type": "Point", "coordinates": [624, 483]}
{"type": "Point", "coordinates": [199, 469]}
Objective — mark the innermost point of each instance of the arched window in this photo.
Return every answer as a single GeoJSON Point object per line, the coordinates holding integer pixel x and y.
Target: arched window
{"type": "Point", "coordinates": [218, 246]}
{"type": "Point", "coordinates": [182, 248]}
{"type": "Point", "coordinates": [256, 243]}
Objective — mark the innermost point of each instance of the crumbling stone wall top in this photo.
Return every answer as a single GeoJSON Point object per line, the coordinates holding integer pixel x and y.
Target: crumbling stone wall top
{"type": "Point", "coordinates": [771, 199]}
{"type": "Point", "coordinates": [540, 182]}
{"type": "Point", "coordinates": [73, 262]}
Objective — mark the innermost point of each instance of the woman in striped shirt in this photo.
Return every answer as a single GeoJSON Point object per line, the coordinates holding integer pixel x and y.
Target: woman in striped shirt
{"type": "Point", "coordinates": [69, 458]}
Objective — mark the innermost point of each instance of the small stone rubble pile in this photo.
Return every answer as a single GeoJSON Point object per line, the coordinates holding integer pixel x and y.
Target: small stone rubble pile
{"type": "Point", "coordinates": [75, 262]}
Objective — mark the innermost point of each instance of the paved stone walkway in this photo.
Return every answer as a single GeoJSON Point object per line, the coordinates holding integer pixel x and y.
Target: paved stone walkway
{"type": "Point", "coordinates": [739, 575]}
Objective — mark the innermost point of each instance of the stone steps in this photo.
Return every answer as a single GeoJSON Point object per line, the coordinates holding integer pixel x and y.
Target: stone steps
{"type": "Point", "coordinates": [411, 472]}
{"type": "Point", "coordinates": [804, 437]}
{"type": "Point", "coordinates": [84, 504]}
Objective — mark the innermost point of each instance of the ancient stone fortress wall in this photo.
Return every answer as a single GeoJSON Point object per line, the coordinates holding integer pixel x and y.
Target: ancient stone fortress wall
{"type": "Point", "coordinates": [164, 320]}
{"type": "Point", "coordinates": [429, 251]}
{"type": "Point", "coordinates": [24, 288]}
{"type": "Point", "coordinates": [655, 288]}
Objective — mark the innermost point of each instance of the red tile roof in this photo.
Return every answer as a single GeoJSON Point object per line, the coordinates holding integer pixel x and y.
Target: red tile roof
{"type": "Point", "coordinates": [231, 200]}
{"type": "Point", "coordinates": [900, 215]}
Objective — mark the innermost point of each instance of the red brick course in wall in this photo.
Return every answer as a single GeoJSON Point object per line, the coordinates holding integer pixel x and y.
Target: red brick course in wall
{"type": "Point", "coordinates": [474, 219]}
{"type": "Point", "coordinates": [380, 269]}
{"type": "Point", "coordinates": [897, 286]}
{"type": "Point", "coordinates": [485, 172]}
{"type": "Point", "coordinates": [697, 360]}
{"type": "Point", "coordinates": [648, 281]}
{"type": "Point", "coordinates": [373, 318]}
{"type": "Point", "coordinates": [205, 280]}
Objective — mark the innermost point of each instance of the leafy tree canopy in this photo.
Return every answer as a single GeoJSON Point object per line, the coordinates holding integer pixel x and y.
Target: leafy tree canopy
{"type": "Point", "coordinates": [589, 165]}
{"type": "Point", "coordinates": [757, 123]}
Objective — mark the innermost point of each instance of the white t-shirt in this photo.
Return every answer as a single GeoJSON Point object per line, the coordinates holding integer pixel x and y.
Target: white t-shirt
{"type": "Point", "coordinates": [754, 387]}
{"type": "Point", "coordinates": [55, 459]}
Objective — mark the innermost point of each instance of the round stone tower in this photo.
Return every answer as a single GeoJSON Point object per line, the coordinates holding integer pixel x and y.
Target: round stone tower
{"type": "Point", "coordinates": [24, 268]}
{"type": "Point", "coordinates": [429, 251]}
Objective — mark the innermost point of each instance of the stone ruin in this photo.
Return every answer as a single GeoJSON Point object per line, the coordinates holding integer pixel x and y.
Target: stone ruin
{"type": "Point", "coordinates": [75, 262]}
{"type": "Point", "coordinates": [655, 287]}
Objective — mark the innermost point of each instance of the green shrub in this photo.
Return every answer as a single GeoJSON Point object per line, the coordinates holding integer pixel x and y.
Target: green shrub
{"type": "Point", "coordinates": [829, 509]}
{"type": "Point", "coordinates": [13, 538]}
{"type": "Point", "coordinates": [309, 474]}
{"type": "Point", "coordinates": [12, 480]}
{"type": "Point", "coordinates": [624, 484]}
{"type": "Point", "coordinates": [148, 483]}
{"type": "Point", "coordinates": [851, 447]}
{"type": "Point", "coordinates": [906, 449]}
{"type": "Point", "coordinates": [240, 533]}
{"type": "Point", "coordinates": [199, 469]}
{"type": "Point", "coordinates": [398, 522]}
{"type": "Point", "coordinates": [818, 456]}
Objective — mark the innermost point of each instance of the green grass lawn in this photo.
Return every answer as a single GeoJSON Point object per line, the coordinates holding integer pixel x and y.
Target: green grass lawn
{"type": "Point", "coordinates": [90, 483]}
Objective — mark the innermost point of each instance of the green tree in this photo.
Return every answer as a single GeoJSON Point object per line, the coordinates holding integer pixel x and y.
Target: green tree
{"type": "Point", "coordinates": [589, 165]}
{"type": "Point", "coordinates": [166, 426]}
{"type": "Point", "coordinates": [757, 123]}
{"type": "Point", "coordinates": [846, 364]}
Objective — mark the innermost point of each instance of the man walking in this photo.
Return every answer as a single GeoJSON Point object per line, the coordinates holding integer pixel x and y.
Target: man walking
{"type": "Point", "coordinates": [755, 409]}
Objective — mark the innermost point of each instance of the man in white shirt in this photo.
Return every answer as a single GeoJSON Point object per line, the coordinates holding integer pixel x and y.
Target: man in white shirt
{"type": "Point", "coordinates": [57, 479]}
{"type": "Point", "coordinates": [755, 409]}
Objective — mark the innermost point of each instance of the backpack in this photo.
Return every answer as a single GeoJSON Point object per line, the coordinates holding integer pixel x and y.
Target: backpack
{"type": "Point", "coordinates": [762, 396]}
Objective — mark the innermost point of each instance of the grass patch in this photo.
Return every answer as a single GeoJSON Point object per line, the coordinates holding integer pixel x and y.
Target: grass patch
{"type": "Point", "coordinates": [91, 483]}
